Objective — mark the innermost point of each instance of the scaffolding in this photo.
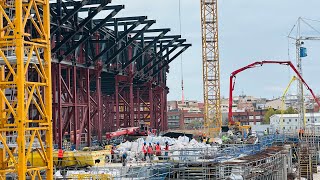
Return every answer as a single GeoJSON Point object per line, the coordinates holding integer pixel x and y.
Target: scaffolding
{"type": "Point", "coordinates": [196, 163]}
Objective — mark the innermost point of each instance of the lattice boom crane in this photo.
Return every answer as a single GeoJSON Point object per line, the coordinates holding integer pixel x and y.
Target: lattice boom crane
{"type": "Point", "coordinates": [211, 67]}
{"type": "Point", "coordinates": [25, 89]}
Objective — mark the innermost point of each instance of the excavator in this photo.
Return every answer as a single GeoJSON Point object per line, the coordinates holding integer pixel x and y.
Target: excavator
{"type": "Point", "coordinates": [236, 126]}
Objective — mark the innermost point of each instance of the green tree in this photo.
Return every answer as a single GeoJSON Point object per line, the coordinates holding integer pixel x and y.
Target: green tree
{"type": "Point", "coordinates": [269, 113]}
{"type": "Point", "coordinates": [290, 110]}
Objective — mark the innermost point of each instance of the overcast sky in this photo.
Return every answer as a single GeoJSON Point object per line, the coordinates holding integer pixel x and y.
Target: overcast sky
{"type": "Point", "coordinates": [249, 30]}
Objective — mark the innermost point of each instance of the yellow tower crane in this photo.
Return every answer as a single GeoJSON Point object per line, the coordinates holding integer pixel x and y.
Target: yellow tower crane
{"type": "Point", "coordinates": [211, 67]}
{"type": "Point", "coordinates": [25, 89]}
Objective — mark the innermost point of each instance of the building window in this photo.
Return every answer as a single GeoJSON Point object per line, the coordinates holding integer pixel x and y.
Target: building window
{"type": "Point", "coordinates": [284, 127]}
{"type": "Point", "coordinates": [308, 120]}
{"type": "Point", "coordinates": [284, 120]}
{"type": "Point", "coordinates": [296, 120]}
{"type": "Point", "coordinates": [289, 120]}
{"type": "Point", "coordinates": [296, 127]}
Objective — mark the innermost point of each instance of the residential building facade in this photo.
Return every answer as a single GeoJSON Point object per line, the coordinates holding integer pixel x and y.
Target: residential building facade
{"type": "Point", "coordinates": [182, 119]}
{"type": "Point", "coordinates": [292, 123]}
{"type": "Point", "coordinates": [250, 117]}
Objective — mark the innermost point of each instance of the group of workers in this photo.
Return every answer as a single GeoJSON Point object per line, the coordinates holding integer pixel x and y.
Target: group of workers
{"type": "Point", "coordinates": [147, 150]}
{"type": "Point", "coordinates": [150, 150]}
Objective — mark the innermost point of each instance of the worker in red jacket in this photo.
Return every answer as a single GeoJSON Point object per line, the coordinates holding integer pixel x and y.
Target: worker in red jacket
{"type": "Point", "coordinates": [144, 150]}
{"type": "Point", "coordinates": [60, 157]}
{"type": "Point", "coordinates": [158, 150]}
{"type": "Point", "coordinates": [150, 151]}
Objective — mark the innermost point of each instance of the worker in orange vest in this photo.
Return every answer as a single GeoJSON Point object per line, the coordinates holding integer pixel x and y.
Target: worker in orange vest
{"type": "Point", "coordinates": [144, 150]}
{"type": "Point", "coordinates": [301, 132]}
{"type": "Point", "coordinates": [150, 151]}
{"type": "Point", "coordinates": [166, 149]}
{"type": "Point", "coordinates": [112, 153]}
{"type": "Point", "coordinates": [158, 150]}
{"type": "Point", "coordinates": [60, 157]}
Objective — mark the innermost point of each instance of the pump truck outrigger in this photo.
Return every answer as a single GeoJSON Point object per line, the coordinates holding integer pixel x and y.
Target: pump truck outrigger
{"type": "Point", "coordinates": [236, 126]}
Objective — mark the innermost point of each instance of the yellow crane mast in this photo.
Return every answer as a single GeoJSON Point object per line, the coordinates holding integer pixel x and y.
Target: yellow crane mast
{"type": "Point", "coordinates": [25, 88]}
{"type": "Point", "coordinates": [211, 67]}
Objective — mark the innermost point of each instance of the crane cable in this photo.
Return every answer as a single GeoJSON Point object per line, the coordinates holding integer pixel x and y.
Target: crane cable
{"type": "Point", "coordinates": [182, 86]}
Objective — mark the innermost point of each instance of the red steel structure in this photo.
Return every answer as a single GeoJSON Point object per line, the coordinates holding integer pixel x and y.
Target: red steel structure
{"type": "Point", "coordinates": [259, 64]}
{"type": "Point", "coordinates": [108, 72]}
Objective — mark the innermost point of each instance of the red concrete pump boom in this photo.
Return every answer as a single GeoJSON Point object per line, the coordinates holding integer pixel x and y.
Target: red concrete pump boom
{"type": "Point", "coordinates": [257, 64]}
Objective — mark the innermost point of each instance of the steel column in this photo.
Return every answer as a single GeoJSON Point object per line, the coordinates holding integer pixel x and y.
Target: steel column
{"type": "Point", "coordinates": [76, 136]}
{"type": "Point", "coordinates": [60, 119]}
{"type": "Point", "coordinates": [132, 122]}
{"type": "Point", "coordinates": [138, 105]}
{"type": "Point", "coordinates": [117, 102]}
{"type": "Point", "coordinates": [99, 105]}
{"type": "Point", "coordinates": [152, 120]}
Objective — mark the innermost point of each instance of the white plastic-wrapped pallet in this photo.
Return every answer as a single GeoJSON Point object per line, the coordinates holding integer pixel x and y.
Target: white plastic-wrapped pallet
{"type": "Point", "coordinates": [170, 141]}
{"type": "Point", "coordinates": [235, 177]}
{"type": "Point", "coordinates": [183, 139]}
{"type": "Point", "coordinates": [125, 146]}
{"type": "Point", "coordinates": [135, 147]}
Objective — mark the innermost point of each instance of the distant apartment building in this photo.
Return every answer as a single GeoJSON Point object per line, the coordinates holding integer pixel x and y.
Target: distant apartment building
{"type": "Point", "coordinates": [190, 106]}
{"type": "Point", "coordinates": [245, 106]}
{"type": "Point", "coordinates": [292, 123]}
{"type": "Point", "coordinates": [260, 103]}
{"type": "Point", "coordinates": [249, 117]}
{"type": "Point", "coordinates": [172, 105]}
{"type": "Point", "coordinates": [175, 120]}
{"type": "Point", "coordinates": [312, 107]}
{"type": "Point", "coordinates": [193, 120]}
{"type": "Point", "coordinates": [182, 119]}
{"type": "Point", "coordinates": [245, 103]}
{"type": "Point", "coordinates": [224, 104]}
{"type": "Point", "coordinates": [248, 110]}
{"type": "Point", "coordinates": [185, 115]}
{"type": "Point", "coordinates": [276, 104]}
